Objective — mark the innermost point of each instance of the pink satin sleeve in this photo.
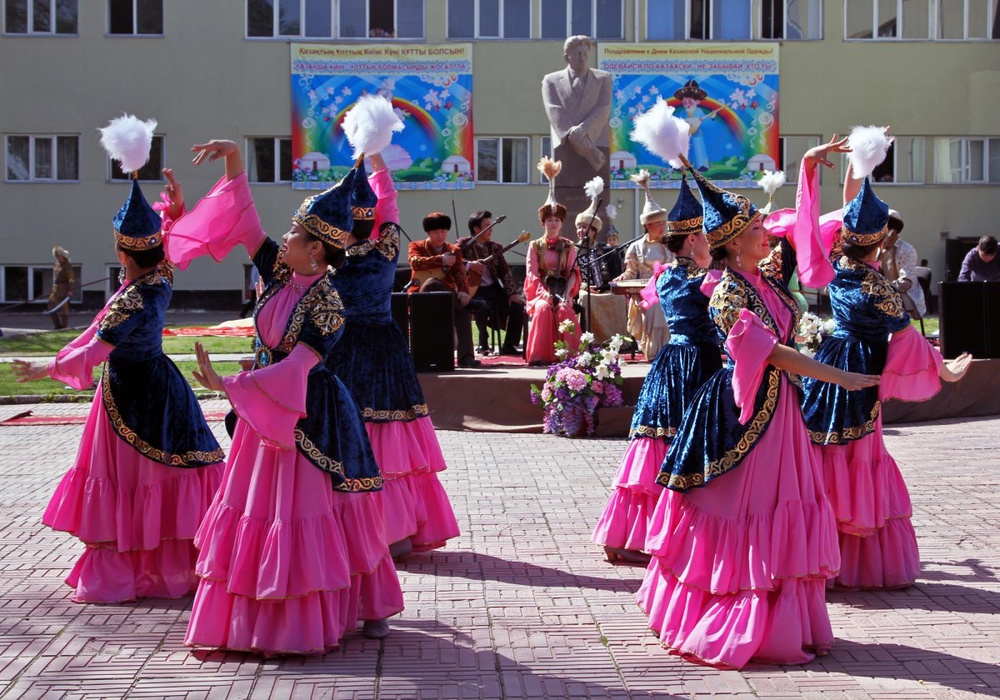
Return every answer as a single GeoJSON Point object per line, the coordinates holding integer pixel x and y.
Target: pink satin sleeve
{"type": "Point", "coordinates": [813, 260]}
{"type": "Point", "coordinates": [74, 364]}
{"type": "Point", "coordinates": [273, 399]}
{"type": "Point", "coordinates": [221, 220]}
{"type": "Point", "coordinates": [912, 368]}
{"type": "Point", "coordinates": [387, 209]}
{"type": "Point", "coordinates": [749, 344]}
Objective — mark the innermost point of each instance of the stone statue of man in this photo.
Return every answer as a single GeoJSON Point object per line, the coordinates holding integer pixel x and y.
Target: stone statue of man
{"type": "Point", "coordinates": [578, 104]}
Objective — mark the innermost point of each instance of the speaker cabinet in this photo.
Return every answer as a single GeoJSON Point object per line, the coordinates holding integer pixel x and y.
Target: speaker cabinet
{"type": "Point", "coordinates": [400, 313]}
{"type": "Point", "coordinates": [432, 331]}
{"type": "Point", "coordinates": [970, 319]}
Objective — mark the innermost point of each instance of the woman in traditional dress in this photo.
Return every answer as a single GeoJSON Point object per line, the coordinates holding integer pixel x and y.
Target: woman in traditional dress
{"type": "Point", "coordinates": [148, 464]}
{"type": "Point", "coordinates": [745, 539]}
{"type": "Point", "coordinates": [680, 368]}
{"type": "Point", "coordinates": [292, 550]}
{"type": "Point", "coordinates": [648, 325]}
{"type": "Point", "coordinates": [552, 280]}
{"type": "Point", "coordinates": [873, 335]}
{"type": "Point", "coordinates": [373, 360]}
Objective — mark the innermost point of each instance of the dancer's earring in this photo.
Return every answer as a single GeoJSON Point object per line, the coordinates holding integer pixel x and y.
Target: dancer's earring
{"type": "Point", "coordinates": [315, 267]}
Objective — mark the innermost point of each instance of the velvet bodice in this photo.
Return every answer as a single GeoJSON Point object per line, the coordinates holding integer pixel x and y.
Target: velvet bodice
{"type": "Point", "coordinates": [365, 281]}
{"type": "Point", "coordinates": [864, 305]}
{"type": "Point", "coordinates": [684, 305]}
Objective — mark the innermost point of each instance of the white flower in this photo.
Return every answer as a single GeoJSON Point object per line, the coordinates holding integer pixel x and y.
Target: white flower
{"type": "Point", "coordinates": [602, 371]}
{"type": "Point", "coordinates": [567, 326]}
{"type": "Point", "coordinates": [610, 356]}
{"type": "Point", "coordinates": [561, 353]}
{"type": "Point", "coordinates": [586, 339]}
{"type": "Point", "coordinates": [616, 342]}
{"type": "Point", "coordinates": [584, 359]}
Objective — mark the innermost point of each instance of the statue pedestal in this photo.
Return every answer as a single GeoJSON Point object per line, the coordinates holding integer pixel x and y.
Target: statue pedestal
{"type": "Point", "coordinates": [576, 172]}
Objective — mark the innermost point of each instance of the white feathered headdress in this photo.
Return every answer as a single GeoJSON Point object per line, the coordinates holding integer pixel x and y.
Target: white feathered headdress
{"type": "Point", "coordinates": [771, 181]}
{"type": "Point", "coordinates": [663, 134]}
{"type": "Point", "coordinates": [369, 125]}
{"type": "Point", "coordinates": [869, 146]}
{"type": "Point", "coordinates": [128, 140]}
{"type": "Point", "coordinates": [592, 189]}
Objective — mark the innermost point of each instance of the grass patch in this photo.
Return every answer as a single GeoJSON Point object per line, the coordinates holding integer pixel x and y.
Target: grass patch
{"type": "Point", "coordinates": [44, 388]}
{"type": "Point", "coordinates": [48, 343]}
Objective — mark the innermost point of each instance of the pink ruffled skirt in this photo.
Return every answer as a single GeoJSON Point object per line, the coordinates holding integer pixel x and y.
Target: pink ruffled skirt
{"type": "Point", "coordinates": [137, 518]}
{"type": "Point", "coordinates": [287, 565]}
{"type": "Point", "coordinates": [739, 566]}
{"type": "Point", "coordinates": [878, 547]}
{"type": "Point", "coordinates": [414, 502]}
{"type": "Point", "coordinates": [625, 520]}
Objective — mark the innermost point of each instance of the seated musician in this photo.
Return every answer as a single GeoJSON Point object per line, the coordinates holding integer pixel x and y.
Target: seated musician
{"type": "Point", "coordinates": [552, 280]}
{"type": "Point", "coordinates": [648, 326]}
{"type": "Point", "coordinates": [489, 279]}
{"type": "Point", "coordinates": [616, 256]}
{"type": "Point", "coordinates": [593, 257]}
{"type": "Point", "coordinates": [438, 267]}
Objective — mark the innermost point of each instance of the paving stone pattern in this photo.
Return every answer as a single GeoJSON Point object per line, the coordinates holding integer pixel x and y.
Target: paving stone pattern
{"type": "Point", "coordinates": [522, 605]}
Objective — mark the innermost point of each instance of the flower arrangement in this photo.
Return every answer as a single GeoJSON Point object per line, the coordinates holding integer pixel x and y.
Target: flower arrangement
{"type": "Point", "coordinates": [580, 384]}
{"type": "Point", "coordinates": [811, 332]}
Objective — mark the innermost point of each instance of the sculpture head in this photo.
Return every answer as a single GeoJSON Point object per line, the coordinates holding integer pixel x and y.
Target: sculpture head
{"type": "Point", "coordinates": [576, 51]}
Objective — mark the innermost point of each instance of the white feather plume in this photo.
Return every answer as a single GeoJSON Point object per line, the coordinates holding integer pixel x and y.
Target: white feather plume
{"type": "Point", "coordinates": [662, 133]}
{"type": "Point", "coordinates": [128, 139]}
{"type": "Point", "coordinates": [369, 125]}
{"type": "Point", "coordinates": [594, 187]}
{"type": "Point", "coordinates": [549, 168]}
{"type": "Point", "coordinates": [611, 211]}
{"type": "Point", "coordinates": [869, 145]}
{"type": "Point", "coordinates": [641, 178]}
{"type": "Point", "coordinates": [771, 181]}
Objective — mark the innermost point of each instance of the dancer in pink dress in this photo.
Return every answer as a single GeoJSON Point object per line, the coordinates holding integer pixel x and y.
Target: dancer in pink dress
{"type": "Point", "coordinates": [745, 538]}
{"type": "Point", "coordinates": [292, 550]}
{"type": "Point", "coordinates": [372, 358]}
{"type": "Point", "coordinates": [148, 464]}
{"type": "Point", "coordinates": [873, 335]}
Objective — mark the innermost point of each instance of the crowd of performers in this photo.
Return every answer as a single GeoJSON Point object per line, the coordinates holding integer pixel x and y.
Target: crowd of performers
{"type": "Point", "coordinates": [749, 486]}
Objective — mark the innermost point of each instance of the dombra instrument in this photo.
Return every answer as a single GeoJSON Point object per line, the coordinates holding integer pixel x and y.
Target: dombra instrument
{"type": "Point", "coordinates": [557, 286]}
{"type": "Point", "coordinates": [629, 287]}
{"type": "Point", "coordinates": [473, 279]}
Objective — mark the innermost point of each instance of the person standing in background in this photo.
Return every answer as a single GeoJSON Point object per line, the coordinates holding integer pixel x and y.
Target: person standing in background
{"type": "Point", "coordinates": [62, 288]}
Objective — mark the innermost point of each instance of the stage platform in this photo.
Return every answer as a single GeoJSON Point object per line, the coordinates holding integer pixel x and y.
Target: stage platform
{"type": "Point", "coordinates": [497, 398]}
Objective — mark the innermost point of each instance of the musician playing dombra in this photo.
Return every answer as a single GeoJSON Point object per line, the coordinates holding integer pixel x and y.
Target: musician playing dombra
{"type": "Point", "coordinates": [438, 266]}
{"type": "Point", "coordinates": [490, 280]}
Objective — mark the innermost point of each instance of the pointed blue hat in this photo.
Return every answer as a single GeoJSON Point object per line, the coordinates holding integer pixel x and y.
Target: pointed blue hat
{"type": "Point", "coordinates": [865, 217]}
{"type": "Point", "coordinates": [687, 215]}
{"type": "Point", "coordinates": [328, 215]}
{"type": "Point", "coordinates": [726, 214]}
{"type": "Point", "coordinates": [137, 226]}
{"type": "Point", "coordinates": [363, 204]}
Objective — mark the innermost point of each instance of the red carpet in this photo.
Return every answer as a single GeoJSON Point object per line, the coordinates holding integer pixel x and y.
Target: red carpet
{"type": "Point", "coordinates": [234, 331]}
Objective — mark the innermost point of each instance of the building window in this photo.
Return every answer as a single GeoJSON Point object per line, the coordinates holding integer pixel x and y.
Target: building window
{"type": "Point", "coordinates": [339, 19]}
{"type": "Point", "coordinates": [135, 17]}
{"type": "Point", "coordinates": [791, 19]}
{"type": "Point", "coordinates": [966, 19]}
{"type": "Point", "coordinates": [904, 162]}
{"type": "Point", "coordinates": [599, 19]}
{"type": "Point", "coordinates": [973, 161]}
{"type": "Point", "coordinates": [40, 16]}
{"type": "Point", "coordinates": [502, 160]}
{"type": "Point", "coordinates": [32, 283]}
{"type": "Point", "coordinates": [43, 158]}
{"type": "Point", "coordinates": [489, 19]}
{"type": "Point", "coordinates": [921, 19]}
{"type": "Point", "coordinates": [718, 20]}
{"type": "Point", "coordinates": [115, 273]}
{"type": "Point", "coordinates": [790, 152]}
{"type": "Point", "coordinates": [151, 171]}
{"type": "Point", "coordinates": [270, 159]}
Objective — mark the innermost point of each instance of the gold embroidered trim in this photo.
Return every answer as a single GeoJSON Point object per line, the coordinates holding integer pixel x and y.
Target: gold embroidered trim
{"type": "Point", "coordinates": [650, 432]}
{"type": "Point", "coordinates": [731, 229]}
{"type": "Point", "coordinates": [387, 244]}
{"type": "Point", "coordinates": [693, 270]}
{"type": "Point", "coordinates": [321, 304]}
{"type": "Point", "coordinates": [887, 299]}
{"type": "Point", "coordinates": [363, 213]}
{"type": "Point", "coordinates": [852, 433]}
{"type": "Point", "coordinates": [328, 233]}
{"type": "Point", "coordinates": [122, 308]}
{"type": "Point", "coordinates": [138, 244]}
{"type": "Point", "coordinates": [864, 239]}
{"type": "Point", "coordinates": [685, 227]}
{"type": "Point", "coordinates": [418, 411]}
{"type": "Point", "coordinates": [324, 463]}
{"type": "Point", "coordinates": [143, 447]}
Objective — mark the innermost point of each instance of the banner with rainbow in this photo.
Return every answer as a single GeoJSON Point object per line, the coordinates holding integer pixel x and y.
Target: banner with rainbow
{"type": "Point", "coordinates": [430, 87]}
{"type": "Point", "coordinates": [728, 93]}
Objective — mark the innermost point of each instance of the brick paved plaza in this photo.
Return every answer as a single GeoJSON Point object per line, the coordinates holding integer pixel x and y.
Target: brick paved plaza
{"type": "Point", "coordinates": [522, 605]}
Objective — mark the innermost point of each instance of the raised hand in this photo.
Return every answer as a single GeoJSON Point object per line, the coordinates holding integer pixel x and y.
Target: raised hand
{"type": "Point", "coordinates": [818, 154]}
{"type": "Point", "coordinates": [954, 370]}
{"type": "Point", "coordinates": [29, 371]}
{"type": "Point", "coordinates": [213, 150]}
{"type": "Point", "coordinates": [175, 195]}
{"type": "Point", "coordinates": [206, 374]}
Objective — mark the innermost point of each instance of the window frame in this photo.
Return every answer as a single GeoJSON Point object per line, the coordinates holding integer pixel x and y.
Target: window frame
{"type": "Point", "coordinates": [500, 160]}
{"type": "Point", "coordinates": [569, 31]}
{"type": "Point", "coordinates": [135, 22]}
{"type": "Point", "coordinates": [53, 14]}
{"type": "Point", "coordinates": [759, 30]}
{"type": "Point", "coordinates": [792, 174]}
{"type": "Point", "coordinates": [148, 167]}
{"type": "Point", "coordinates": [251, 159]}
{"type": "Point", "coordinates": [335, 24]}
{"type": "Point", "coordinates": [934, 23]}
{"type": "Point", "coordinates": [965, 164]}
{"type": "Point", "coordinates": [38, 294]}
{"type": "Point", "coordinates": [752, 34]}
{"type": "Point", "coordinates": [476, 36]}
{"type": "Point", "coordinates": [32, 158]}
